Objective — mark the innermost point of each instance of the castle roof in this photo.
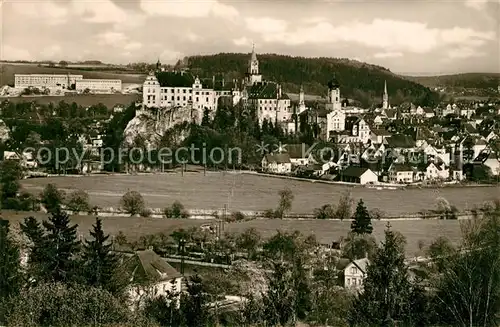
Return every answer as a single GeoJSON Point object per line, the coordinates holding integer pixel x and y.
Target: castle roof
{"type": "Point", "coordinates": [175, 79]}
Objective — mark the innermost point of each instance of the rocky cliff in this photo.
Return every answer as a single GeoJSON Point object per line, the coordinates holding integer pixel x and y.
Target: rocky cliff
{"type": "Point", "coordinates": [155, 127]}
{"type": "Point", "coordinates": [4, 131]}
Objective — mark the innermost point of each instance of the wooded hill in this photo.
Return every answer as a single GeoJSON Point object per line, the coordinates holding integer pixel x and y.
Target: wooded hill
{"type": "Point", "coordinates": [468, 80]}
{"type": "Point", "coordinates": [359, 81]}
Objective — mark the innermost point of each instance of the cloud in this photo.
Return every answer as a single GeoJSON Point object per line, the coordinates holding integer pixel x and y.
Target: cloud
{"type": "Point", "coordinates": [170, 56]}
{"type": "Point", "coordinates": [242, 41]}
{"type": "Point", "coordinates": [478, 4]}
{"type": "Point", "coordinates": [47, 11]}
{"type": "Point", "coordinates": [102, 11]}
{"type": "Point", "coordinates": [383, 55]}
{"type": "Point", "coordinates": [390, 35]}
{"type": "Point", "coordinates": [133, 46]}
{"type": "Point", "coordinates": [266, 25]}
{"type": "Point", "coordinates": [8, 52]}
{"type": "Point", "coordinates": [192, 37]}
{"type": "Point", "coordinates": [189, 9]}
{"type": "Point", "coordinates": [51, 52]}
{"type": "Point", "coordinates": [463, 53]}
{"type": "Point", "coordinates": [112, 38]}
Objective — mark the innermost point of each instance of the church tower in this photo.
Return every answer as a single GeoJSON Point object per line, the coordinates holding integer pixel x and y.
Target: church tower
{"type": "Point", "coordinates": [334, 94]}
{"type": "Point", "coordinates": [253, 69]}
{"type": "Point", "coordinates": [302, 102]}
{"type": "Point", "coordinates": [385, 100]}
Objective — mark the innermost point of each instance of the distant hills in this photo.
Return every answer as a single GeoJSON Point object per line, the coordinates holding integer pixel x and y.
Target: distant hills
{"type": "Point", "coordinates": [360, 81]}
{"type": "Point", "coordinates": [467, 80]}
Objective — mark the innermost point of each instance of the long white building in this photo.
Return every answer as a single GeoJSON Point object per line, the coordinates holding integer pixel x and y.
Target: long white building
{"type": "Point", "coordinates": [64, 81]}
{"type": "Point", "coordinates": [99, 85]}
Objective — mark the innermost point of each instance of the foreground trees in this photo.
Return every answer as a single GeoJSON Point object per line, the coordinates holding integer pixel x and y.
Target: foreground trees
{"type": "Point", "coordinates": [467, 278]}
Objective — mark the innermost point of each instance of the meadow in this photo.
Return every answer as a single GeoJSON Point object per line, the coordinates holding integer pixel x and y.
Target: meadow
{"type": "Point", "coordinates": [255, 193]}
{"type": "Point", "coordinates": [417, 232]}
{"type": "Point", "coordinates": [7, 72]}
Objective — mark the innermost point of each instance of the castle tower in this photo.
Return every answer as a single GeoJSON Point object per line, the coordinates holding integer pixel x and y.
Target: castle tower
{"type": "Point", "coordinates": [158, 65]}
{"type": "Point", "coordinates": [253, 75]}
{"type": "Point", "coordinates": [385, 100]}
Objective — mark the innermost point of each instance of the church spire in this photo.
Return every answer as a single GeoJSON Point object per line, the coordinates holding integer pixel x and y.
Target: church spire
{"type": "Point", "coordinates": [385, 99]}
{"type": "Point", "coordinates": [253, 56]}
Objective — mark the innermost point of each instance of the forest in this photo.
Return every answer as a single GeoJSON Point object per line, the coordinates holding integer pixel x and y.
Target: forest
{"type": "Point", "coordinates": [359, 81]}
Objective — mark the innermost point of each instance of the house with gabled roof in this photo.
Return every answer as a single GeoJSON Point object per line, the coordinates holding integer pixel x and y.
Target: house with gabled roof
{"type": "Point", "coordinates": [378, 135]}
{"type": "Point", "coordinates": [400, 173]}
{"type": "Point", "coordinates": [358, 175]}
{"type": "Point", "coordinates": [277, 163]}
{"type": "Point", "coordinates": [150, 276]}
{"type": "Point", "coordinates": [353, 273]}
{"type": "Point", "coordinates": [298, 154]}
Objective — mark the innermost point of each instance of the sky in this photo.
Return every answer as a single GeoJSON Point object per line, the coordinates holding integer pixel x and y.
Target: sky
{"type": "Point", "coordinates": [406, 36]}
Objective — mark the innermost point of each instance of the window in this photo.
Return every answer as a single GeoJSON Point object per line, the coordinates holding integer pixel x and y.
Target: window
{"type": "Point", "coordinates": [178, 98]}
{"type": "Point", "coordinates": [348, 281]}
{"type": "Point", "coordinates": [173, 98]}
{"type": "Point", "coordinates": [207, 100]}
{"type": "Point", "coordinates": [197, 98]}
{"type": "Point", "coordinates": [354, 281]}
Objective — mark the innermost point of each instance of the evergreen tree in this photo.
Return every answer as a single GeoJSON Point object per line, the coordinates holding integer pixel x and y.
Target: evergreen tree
{"type": "Point", "coordinates": [206, 118]}
{"type": "Point", "coordinates": [280, 298]}
{"type": "Point", "coordinates": [193, 304]}
{"type": "Point", "coordinates": [362, 222]}
{"type": "Point", "coordinates": [303, 304]}
{"type": "Point", "coordinates": [9, 266]}
{"type": "Point", "coordinates": [34, 232]}
{"type": "Point", "coordinates": [100, 265]}
{"type": "Point", "coordinates": [61, 246]}
{"type": "Point", "coordinates": [386, 297]}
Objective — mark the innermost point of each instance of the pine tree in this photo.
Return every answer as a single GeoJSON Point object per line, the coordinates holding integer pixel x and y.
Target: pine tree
{"type": "Point", "coordinates": [9, 265]}
{"type": "Point", "coordinates": [61, 246]}
{"type": "Point", "coordinates": [34, 232]}
{"type": "Point", "coordinates": [100, 264]}
{"type": "Point", "coordinates": [193, 304]}
{"type": "Point", "coordinates": [386, 294]}
{"type": "Point", "coordinates": [206, 118]}
{"type": "Point", "coordinates": [361, 221]}
{"type": "Point", "coordinates": [280, 298]}
{"type": "Point", "coordinates": [52, 198]}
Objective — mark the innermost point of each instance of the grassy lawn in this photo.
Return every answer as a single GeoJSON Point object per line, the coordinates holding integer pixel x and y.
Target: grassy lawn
{"type": "Point", "coordinates": [253, 192]}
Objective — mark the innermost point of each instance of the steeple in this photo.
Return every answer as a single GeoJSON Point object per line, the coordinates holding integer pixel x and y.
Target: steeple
{"type": "Point", "coordinates": [254, 56]}
{"type": "Point", "coordinates": [385, 99]}
{"type": "Point", "coordinates": [158, 64]}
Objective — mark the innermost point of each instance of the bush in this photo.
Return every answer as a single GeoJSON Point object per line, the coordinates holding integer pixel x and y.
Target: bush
{"type": "Point", "coordinates": [271, 214]}
{"type": "Point", "coordinates": [132, 203]}
{"type": "Point", "coordinates": [238, 216]}
{"type": "Point", "coordinates": [51, 198]}
{"type": "Point", "coordinates": [65, 305]}
{"type": "Point", "coordinates": [146, 213]}
{"type": "Point", "coordinates": [325, 212]}
{"type": "Point", "coordinates": [78, 201]}
{"type": "Point", "coordinates": [176, 211]}
{"type": "Point", "coordinates": [121, 239]}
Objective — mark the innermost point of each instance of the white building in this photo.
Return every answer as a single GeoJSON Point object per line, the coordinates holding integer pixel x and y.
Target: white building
{"type": "Point", "coordinates": [270, 102]}
{"type": "Point", "coordinates": [278, 163]}
{"type": "Point", "coordinates": [150, 276]}
{"type": "Point", "coordinates": [50, 81]}
{"type": "Point", "coordinates": [335, 118]}
{"type": "Point", "coordinates": [99, 85]}
{"type": "Point", "coordinates": [355, 274]}
{"type": "Point", "coordinates": [180, 90]}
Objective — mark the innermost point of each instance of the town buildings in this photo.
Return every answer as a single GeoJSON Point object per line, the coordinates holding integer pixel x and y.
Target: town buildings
{"type": "Point", "coordinates": [98, 85]}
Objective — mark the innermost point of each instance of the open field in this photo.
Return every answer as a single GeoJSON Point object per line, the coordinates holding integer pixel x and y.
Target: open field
{"type": "Point", "coordinates": [133, 228]}
{"type": "Point", "coordinates": [255, 193]}
{"type": "Point", "coordinates": [7, 72]}
{"type": "Point", "coordinates": [326, 232]}
{"type": "Point", "coordinates": [109, 100]}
